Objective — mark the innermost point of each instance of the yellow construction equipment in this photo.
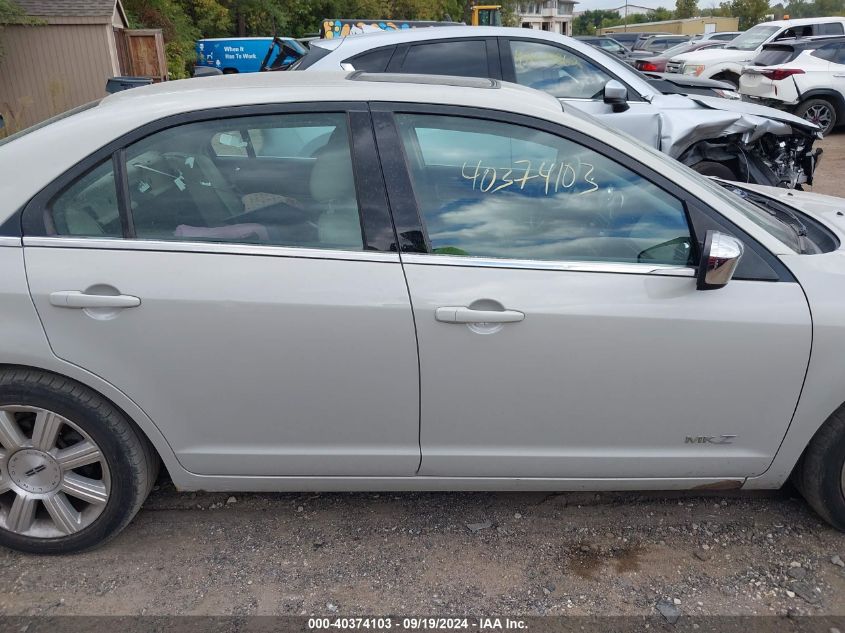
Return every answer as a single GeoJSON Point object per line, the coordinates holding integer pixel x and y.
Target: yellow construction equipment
{"type": "Point", "coordinates": [487, 15]}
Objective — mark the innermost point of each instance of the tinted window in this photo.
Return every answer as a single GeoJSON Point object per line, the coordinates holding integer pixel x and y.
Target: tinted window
{"type": "Point", "coordinates": [772, 56]}
{"type": "Point", "coordinates": [556, 71]}
{"type": "Point", "coordinates": [373, 62]}
{"type": "Point", "coordinates": [829, 53]}
{"type": "Point", "coordinates": [830, 28]}
{"type": "Point", "coordinates": [88, 207]}
{"type": "Point", "coordinates": [490, 189]}
{"type": "Point", "coordinates": [282, 180]}
{"type": "Point", "coordinates": [840, 55]}
{"type": "Point", "coordinates": [464, 59]}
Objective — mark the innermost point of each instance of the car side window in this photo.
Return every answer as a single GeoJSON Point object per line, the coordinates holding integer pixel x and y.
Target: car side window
{"type": "Point", "coordinates": [373, 61]}
{"type": "Point", "coordinates": [494, 189]}
{"type": "Point", "coordinates": [829, 28]}
{"type": "Point", "coordinates": [88, 207]}
{"type": "Point", "coordinates": [295, 188]}
{"type": "Point", "coordinates": [465, 58]}
{"type": "Point", "coordinates": [829, 52]}
{"type": "Point", "coordinates": [556, 71]}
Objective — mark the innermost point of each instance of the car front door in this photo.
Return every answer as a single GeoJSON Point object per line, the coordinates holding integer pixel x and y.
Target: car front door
{"type": "Point", "coordinates": [578, 82]}
{"type": "Point", "coordinates": [260, 319]}
{"type": "Point", "coordinates": [559, 327]}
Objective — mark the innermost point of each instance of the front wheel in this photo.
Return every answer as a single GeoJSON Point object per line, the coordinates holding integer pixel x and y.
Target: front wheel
{"type": "Point", "coordinates": [818, 111]}
{"type": "Point", "coordinates": [821, 475]}
{"type": "Point", "coordinates": [73, 470]}
{"type": "Point", "coordinates": [717, 170]}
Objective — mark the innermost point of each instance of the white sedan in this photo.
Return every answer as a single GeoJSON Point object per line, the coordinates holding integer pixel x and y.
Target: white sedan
{"type": "Point", "coordinates": [307, 281]}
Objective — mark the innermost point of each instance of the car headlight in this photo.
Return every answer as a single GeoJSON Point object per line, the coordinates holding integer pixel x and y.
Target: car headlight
{"type": "Point", "coordinates": [693, 69]}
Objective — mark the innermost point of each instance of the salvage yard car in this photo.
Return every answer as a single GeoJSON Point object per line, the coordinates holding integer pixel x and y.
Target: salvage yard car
{"type": "Point", "coordinates": [717, 137]}
{"type": "Point", "coordinates": [805, 76]}
{"type": "Point", "coordinates": [364, 281]}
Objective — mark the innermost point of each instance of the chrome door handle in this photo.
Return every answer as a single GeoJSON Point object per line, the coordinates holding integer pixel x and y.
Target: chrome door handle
{"type": "Point", "coordinates": [468, 315]}
{"type": "Point", "coordinates": [76, 299]}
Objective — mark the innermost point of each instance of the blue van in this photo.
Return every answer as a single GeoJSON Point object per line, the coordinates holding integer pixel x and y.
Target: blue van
{"type": "Point", "coordinates": [247, 54]}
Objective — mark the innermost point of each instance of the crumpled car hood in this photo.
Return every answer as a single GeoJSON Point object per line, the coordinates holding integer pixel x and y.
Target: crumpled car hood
{"type": "Point", "coordinates": [745, 107]}
{"type": "Point", "coordinates": [689, 119]}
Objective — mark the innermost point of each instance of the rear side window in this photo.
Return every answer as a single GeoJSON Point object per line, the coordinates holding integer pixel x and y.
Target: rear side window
{"type": "Point", "coordinates": [774, 55]}
{"type": "Point", "coordinates": [374, 61]}
{"type": "Point", "coordinates": [829, 52]}
{"type": "Point", "coordinates": [830, 28]}
{"type": "Point", "coordinates": [466, 58]}
{"type": "Point", "coordinates": [314, 54]}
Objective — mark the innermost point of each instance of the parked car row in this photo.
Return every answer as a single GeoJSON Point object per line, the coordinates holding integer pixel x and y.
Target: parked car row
{"type": "Point", "coordinates": [805, 76]}
{"type": "Point", "coordinates": [715, 136]}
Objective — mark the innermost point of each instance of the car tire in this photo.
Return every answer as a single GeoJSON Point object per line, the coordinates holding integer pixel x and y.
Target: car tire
{"type": "Point", "coordinates": [74, 470]}
{"type": "Point", "coordinates": [819, 111]}
{"type": "Point", "coordinates": [821, 474]}
{"type": "Point", "coordinates": [730, 78]}
{"type": "Point", "coordinates": [718, 170]}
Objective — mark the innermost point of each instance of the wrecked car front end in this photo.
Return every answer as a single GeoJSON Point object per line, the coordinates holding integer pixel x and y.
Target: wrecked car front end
{"type": "Point", "coordinates": [760, 145]}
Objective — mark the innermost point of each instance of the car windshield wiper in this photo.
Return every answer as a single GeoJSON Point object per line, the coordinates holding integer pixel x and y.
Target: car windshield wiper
{"type": "Point", "coordinates": [777, 210]}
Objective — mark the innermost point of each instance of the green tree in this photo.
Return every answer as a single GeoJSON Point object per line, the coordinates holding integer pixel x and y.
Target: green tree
{"type": "Point", "coordinates": [749, 12]}
{"type": "Point", "coordinates": [685, 9]}
{"type": "Point", "coordinates": [587, 22]}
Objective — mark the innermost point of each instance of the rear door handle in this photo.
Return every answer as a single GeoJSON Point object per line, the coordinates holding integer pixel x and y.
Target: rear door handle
{"type": "Point", "coordinates": [76, 299]}
{"type": "Point", "coordinates": [468, 315]}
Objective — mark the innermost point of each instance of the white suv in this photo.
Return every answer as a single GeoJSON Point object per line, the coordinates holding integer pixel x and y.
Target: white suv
{"type": "Point", "coordinates": [725, 64]}
{"type": "Point", "coordinates": [804, 76]}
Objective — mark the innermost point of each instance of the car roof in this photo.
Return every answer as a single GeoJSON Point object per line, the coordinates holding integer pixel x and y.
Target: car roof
{"type": "Point", "coordinates": [806, 42]}
{"type": "Point", "coordinates": [802, 21]}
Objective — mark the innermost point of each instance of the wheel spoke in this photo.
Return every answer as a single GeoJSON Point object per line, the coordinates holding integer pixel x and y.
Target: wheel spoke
{"type": "Point", "coordinates": [5, 482]}
{"type": "Point", "coordinates": [80, 454]}
{"type": "Point", "coordinates": [85, 488]}
{"type": "Point", "coordinates": [10, 433]}
{"type": "Point", "coordinates": [46, 430]}
{"type": "Point", "coordinates": [21, 514]}
{"type": "Point", "coordinates": [64, 515]}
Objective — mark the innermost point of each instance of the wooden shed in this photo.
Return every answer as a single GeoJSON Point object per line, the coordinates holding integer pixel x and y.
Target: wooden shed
{"type": "Point", "coordinates": [66, 59]}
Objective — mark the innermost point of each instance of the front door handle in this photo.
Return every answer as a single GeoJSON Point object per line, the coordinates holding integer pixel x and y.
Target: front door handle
{"type": "Point", "coordinates": [468, 315]}
{"type": "Point", "coordinates": [76, 299]}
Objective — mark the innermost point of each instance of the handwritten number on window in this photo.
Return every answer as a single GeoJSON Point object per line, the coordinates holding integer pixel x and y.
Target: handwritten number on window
{"type": "Point", "coordinates": [557, 177]}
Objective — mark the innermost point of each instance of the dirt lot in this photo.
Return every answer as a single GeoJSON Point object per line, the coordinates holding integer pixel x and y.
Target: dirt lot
{"type": "Point", "coordinates": [482, 553]}
{"type": "Point", "coordinates": [830, 176]}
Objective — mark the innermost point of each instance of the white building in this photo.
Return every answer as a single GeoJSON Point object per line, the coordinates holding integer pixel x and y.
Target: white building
{"type": "Point", "coordinates": [549, 15]}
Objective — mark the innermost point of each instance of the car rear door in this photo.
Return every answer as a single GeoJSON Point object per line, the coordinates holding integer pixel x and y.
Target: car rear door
{"type": "Point", "coordinates": [262, 323]}
{"type": "Point", "coordinates": [559, 327]}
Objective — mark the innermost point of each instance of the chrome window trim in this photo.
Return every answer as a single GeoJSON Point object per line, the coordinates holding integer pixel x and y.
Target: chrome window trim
{"type": "Point", "coordinates": [629, 268]}
{"type": "Point", "coordinates": [213, 248]}
{"type": "Point", "coordinates": [9, 241]}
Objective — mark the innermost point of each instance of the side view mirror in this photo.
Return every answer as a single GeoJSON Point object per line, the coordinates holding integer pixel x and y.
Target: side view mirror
{"type": "Point", "coordinates": [719, 259]}
{"type": "Point", "coordinates": [616, 95]}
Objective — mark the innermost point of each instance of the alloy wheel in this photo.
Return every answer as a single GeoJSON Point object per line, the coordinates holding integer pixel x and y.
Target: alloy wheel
{"type": "Point", "coordinates": [820, 115]}
{"type": "Point", "coordinates": [54, 479]}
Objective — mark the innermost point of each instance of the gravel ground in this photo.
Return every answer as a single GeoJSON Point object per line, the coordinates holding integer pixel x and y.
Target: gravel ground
{"type": "Point", "coordinates": [460, 553]}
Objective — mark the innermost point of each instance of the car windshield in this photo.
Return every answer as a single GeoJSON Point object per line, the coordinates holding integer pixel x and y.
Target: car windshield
{"type": "Point", "coordinates": [752, 38]}
{"type": "Point", "coordinates": [677, 49]}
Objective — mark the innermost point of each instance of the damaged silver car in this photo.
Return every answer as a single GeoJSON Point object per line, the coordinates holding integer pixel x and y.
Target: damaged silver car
{"type": "Point", "coordinates": [716, 136]}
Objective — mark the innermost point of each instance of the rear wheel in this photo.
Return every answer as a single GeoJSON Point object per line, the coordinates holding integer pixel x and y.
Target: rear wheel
{"type": "Point", "coordinates": [73, 470]}
{"type": "Point", "coordinates": [717, 170]}
{"type": "Point", "coordinates": [819, 111]}
{"type": "Point", "coordinates": [821, 475]}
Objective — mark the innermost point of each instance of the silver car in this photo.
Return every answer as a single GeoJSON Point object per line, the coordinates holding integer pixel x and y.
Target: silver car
{"type": "Point", "coordinates": [315, 281]}
{"type": "Point", "coordinates": [720, 137]}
